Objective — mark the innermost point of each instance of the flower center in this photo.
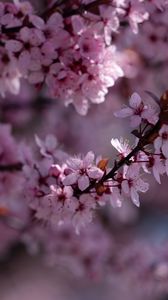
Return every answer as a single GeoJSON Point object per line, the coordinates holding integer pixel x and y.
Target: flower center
{"type": "Point", "coordinates": [165, 135]}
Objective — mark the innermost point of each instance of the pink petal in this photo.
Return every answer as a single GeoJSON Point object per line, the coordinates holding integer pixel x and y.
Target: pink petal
{"type": "Point", "coordinates": [51, 142]}
{"type": "Point", "coordinates": [36, 77]}
{"type": "Point", "coordinates": [83, 182]}
{"type": "Point", "coordinates": [158, 143]}
{"type": "Point", "coordinates": [125, 186]}
{"type": "Point", "coordinates": [166, 164]}
{"type": "Point", "coordinates": [13, 46]}
{"type": "Point", "coordinates": [37, 21]}
{"type": "Point", "coordinates": [89, 158]}
{"type": "Point", "coordinates": [55, 20]}
{"type": "Point", "coordinates": [135, 100]}
{"type": "Point", "coordinates": [25, 34]}
{"type": "Point", "coordinates": [156, 174]}
{"type": "Point", "coordinates": [70, 179]}
{"type": "Point", "coordinates": [77, 24]}
{"type": "Point", "coordinates": [68, 191]}
{"type": "Point", "coordinates": [123, 113]}
{"type": "Point", "coordinates": [24, 61]}
{"type": "Point", "coordinates": [135, 121]}
{"type": "Point", "coordinates": [95, 173]}
{"type": "Point", "coordinates": [165, 149]}
{"type": "Point", "coordinates": [135, 197]}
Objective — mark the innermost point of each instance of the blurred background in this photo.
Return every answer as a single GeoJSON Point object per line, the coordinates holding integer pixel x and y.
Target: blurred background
{"type": "Point", "coordinates": [131, 245]}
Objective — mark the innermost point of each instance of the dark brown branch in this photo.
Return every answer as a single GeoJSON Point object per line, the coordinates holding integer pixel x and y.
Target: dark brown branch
{"type": "Point", "coordinates": [147, 139]}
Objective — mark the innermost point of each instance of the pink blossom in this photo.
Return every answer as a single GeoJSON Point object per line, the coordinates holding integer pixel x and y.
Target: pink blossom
{"type": "Point", "coordinates": [10, 75]}
{"type": "Point", "coordinates": [156, 163]}
{"type": "Point", "coordinates": [30, 55]}
{"type": "Point", "coordinates": [110, 22]}
{"type": "Point", "coordinates": [48, 147]}
{"type": "Point", "coordinates": [62, 204]}
{"type": "Point", "coordinates": [82, 171]}
{"type": "Point", "coordinates": [137, 14]}
{"type": "Point", "coordinates": [84, 211]}
{"type": "Point", "coordinates": [140, 110]}
{"type": "Point", "coordinates": [132, 183]}
{"type": "Point", "coordinates": [121, 146]}
{"type": "Point", "coordinates": [91, 46]}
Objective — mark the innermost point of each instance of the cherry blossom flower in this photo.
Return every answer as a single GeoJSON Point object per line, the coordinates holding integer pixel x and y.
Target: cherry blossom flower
{"type": "Point", "coordinates": [82, 171]}
{"type": "Point", "coordinates": [62, 204]}
{"type": "Point", "coordinates": [139, 110]}
{"type": "Point", "coordinates": [84, 211]}
{"type": "Point", "coordinates": [136, 14]}
{"type": "Point", "coordinates": [121, 146]}
{"type": "Point", "coordinates": [90, 46]}
{"type": "Point", "coordinates": [48, 147]}
{"type": "Point", "coordinates": [133, 183]}
{"type": "Point", "coordinates": [28, 46]}
{"type": "Point", "coordinates": [156, 163]}
{"type": "Point", "coordinates": [10, 75]}
{"type": "Point", "coordinates": [110, 22]}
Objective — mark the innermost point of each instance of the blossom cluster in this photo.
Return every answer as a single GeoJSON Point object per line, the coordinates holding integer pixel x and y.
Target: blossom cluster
{"type": "Point", "coordinates": [62, 189]}
{"type": "Point", "coordinates": [65, 204]}
{"type": "Point", "coordinates": [73, 54]}
{"type": "Point", "coordinates": [62, 195]}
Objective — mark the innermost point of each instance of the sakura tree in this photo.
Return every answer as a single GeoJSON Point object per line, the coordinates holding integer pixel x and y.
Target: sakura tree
{"type": "Point", "coordinates": [58, 193]}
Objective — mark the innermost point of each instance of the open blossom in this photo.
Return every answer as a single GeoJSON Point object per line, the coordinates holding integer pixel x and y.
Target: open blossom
{"type": "Point", "coordinates": [91, 46]}
{"type": "Point", "coordinates": [121, 146]}
{"type": "Point", "coordinates": [84, 211]}
{"type": "Point", "coordinates": [82, 171]}
{"type": "Point", "coordinates": [136, 14]}
{"type": "Point", "coordinates": [139, 110]}
{"type": "Point", "coordinates": [62, 204]}
{"type": "Point", "coordinates": [161, 142]}
{"type": "Point", "coordinates": [132, 184]}
{"type": "Point", "coordinates": [48, 146]}
{"type": "Point", "coordinates": [110, 22]}
{"type": "Point", "coordinates": [30, 39]}
{"type": "Point", "coordinates": [156, 163]}
{"type": "Point", "coordinates": [9, 75]}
